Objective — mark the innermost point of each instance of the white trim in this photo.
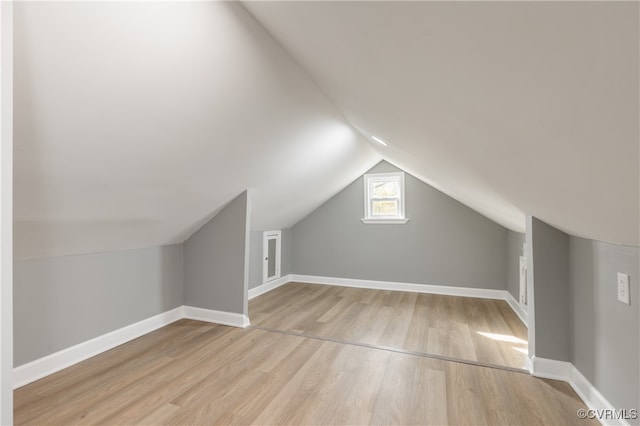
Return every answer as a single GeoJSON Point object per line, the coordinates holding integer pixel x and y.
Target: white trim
{"type": "Point", "coordinates": [517, 308]}
{"type": "Point", "coordinates": [551, 369]}
{"type": "Point", "coordinates": [57, 361]}
{"type": "Point", "coordinates": [271, 285]}
{"type": "Point", "coordinates": [216, 317]}
{"type": "Point", "coordinates": [6, 212]}
{"type": "Point", "coordinates": [591, 396]}
{"type": "Point", "coordinates": [395, 286]}
{"type": "Point", "coordinates": [531, 305]}
{"type": "Point", "coordinates": [567, 372]}
{"type": "Point", "coordinates": [385, 221]}
{"type": "Point", "coordinates": [370, 178]}
{"type": "Point", "coordinates": [266, 236]}
{"type": "Point", "coordinates": [538, 367]}
{"type": "Point", "coordinates": [523, 280]}
{"type": "Point", "coordinates": [528, 365]}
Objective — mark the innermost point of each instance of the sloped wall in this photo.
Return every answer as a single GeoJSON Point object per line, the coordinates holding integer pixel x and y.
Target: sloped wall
{"type": "Point", "coordinates": [444, 242]}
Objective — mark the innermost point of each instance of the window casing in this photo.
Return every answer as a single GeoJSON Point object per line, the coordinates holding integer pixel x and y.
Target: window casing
{"type": "Point", "coordinates": [384, 198]}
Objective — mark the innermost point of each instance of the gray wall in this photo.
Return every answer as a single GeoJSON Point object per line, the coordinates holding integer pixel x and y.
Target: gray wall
{"type": "Point", "coordinates": [256, 255]}
{"type": "Point", "coordinates": [286, 252]}
{"type": "Point", "coordinates": [216, 260]}
{"type": "Point", "coordinates": [605, 333]}
{"type": "Point", "coordinates": [515, 241]}
{"type": "Point", "coordinates": [444, 242]}
{"type": "Point", "coordinates": [63, 301]}
{"type": "Point", "coordinates": [549, 268]}
{"type": "Point", "coordinates": [255, 259]}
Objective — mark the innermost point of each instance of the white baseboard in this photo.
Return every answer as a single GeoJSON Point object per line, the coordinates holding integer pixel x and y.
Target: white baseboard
{"type": "Point", "coordinates": [57, 361]}
{"type": "Point", "coordinates": [216, 317]}
{"type": "Point", "coordinates": [517, 308]}
{"type": "Point", "coordinates": [396, 286]}
{"type": "Point", "coordinates": [567, 372]}
{"type": "Point", "coordinates": [539, 367]}
{"type": "Point", "coordinates": [528, 364]}
{"type": "Point", "coordinates": [592, 397]}
{"type": "Point", "coordinates": [271, 285]}
{"type": "Point", "coordinates": [551, 369]}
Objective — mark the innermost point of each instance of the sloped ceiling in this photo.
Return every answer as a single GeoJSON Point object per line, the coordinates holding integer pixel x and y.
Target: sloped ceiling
{"type": "Point", "coordinates": [510, 107]}
{"type": "Point", "coordinates": [136, 122]}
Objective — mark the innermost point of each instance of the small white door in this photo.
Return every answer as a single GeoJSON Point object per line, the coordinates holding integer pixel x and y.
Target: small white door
{"type": "Point", "coordinates": [523, 281]}
{"type": "Point", "coordinates": [271, 256]}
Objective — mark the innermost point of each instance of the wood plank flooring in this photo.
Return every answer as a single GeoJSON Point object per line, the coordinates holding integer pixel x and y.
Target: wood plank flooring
{"type": "Point", "coordinates": [480, 330]}
{"type": "Point", "coordinates": [192, 372]}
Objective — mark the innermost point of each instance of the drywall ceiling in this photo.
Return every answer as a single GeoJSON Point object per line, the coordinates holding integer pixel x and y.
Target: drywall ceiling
{"type": "Point", "coordinates": [136, 122]}
{"type": "Point", "coordinates": [510, 107]}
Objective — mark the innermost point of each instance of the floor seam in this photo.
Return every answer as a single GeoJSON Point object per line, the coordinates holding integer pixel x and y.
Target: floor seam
{"type": "Point", "coordinates": [388, 349]}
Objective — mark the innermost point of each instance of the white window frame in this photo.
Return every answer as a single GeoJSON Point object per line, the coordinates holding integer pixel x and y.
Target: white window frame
{"type": "Point", "coordinates": [369, 180]}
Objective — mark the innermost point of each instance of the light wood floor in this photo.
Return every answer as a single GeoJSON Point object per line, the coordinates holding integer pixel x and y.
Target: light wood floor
{"type": "Point", "coordinates": [481, 330]}
{"type": "Point", "coordinates": [192, 372]}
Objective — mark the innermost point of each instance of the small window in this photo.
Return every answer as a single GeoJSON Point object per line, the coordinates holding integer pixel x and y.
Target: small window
{"type": "Point", "coordinates": [384, 198]}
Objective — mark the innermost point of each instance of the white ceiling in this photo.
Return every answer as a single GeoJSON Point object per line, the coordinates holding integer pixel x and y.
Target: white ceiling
{"type": "Point", "coordinates": [510, 107]}
{"type": "Point", "coordinates": [135, 122]}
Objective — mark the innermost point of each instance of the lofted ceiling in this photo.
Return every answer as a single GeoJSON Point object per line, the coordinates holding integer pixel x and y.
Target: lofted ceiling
{"type": "Point", "coordinates": [135, 122]}
{"type": "Point", "coordinates": [509, 107]}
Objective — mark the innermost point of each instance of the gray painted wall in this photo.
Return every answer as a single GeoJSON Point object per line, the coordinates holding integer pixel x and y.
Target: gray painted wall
{"type": "Point", "coordinates": [515, 242]}
{"type": "Point", "coordinates": [444, 242]}
{"type": "Point", "coordinates": [255, 259]}
{"type": "Point", "coordinates": [286, 252]}
{"type": "Point", "coordinates": [549, 264]}
{"type": "Point", "coordinates": [256, 256]}
{"type": "Point", "coordinates": [605, 342]}
{"type": "Point", "coordinates": [216, 260]}
{"type": "Point", "coordinates": [62, 301]}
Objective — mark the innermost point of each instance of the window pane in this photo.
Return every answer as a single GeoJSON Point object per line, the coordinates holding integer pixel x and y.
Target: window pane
{"type": "Point", "coordinates": [385, 189]}
{"type": "Point", "coordinates": [385, 208]}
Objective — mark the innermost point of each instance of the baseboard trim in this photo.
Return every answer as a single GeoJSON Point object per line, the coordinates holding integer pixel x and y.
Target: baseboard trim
{"type": "Point", "coordinates": [592, 397]}
{"type": "Point", "coordinates": [481, 293]}
{"type": "Point", "coordinates": [60, 360]}
{"type": "Point", "coordinates": [57, 361]}
{"type": "Point", "coordinates": [216, 317]}
{"type": "Point", "coordinates": [396, 286]}
{"type": "Point", "coordinates": [551, 369]}
{"type": "Point", "coordinates": [517, 308]}
{"type": "Point", "coordinates": [567, 372]}
{"type": "Point", "coordinates": [272, 285]}
{"type": "Point", "coordinates": [528, 365]}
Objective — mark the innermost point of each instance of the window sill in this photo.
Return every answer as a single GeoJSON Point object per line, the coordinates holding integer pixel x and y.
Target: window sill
{"type": "Point", "coordinates": [385, 221]}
